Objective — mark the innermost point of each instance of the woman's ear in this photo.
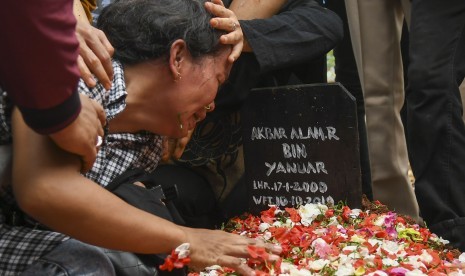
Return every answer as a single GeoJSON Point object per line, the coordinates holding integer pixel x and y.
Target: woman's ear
{"type": "Point", "coordinates": [178, 56]}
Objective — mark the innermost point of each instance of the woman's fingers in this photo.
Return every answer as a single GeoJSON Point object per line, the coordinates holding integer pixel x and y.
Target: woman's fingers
{"type": "Point", "coordinates": [168, 145]}
{"type": "Point", "coordinates": [104, 52]}
{"type": "Point", "coordinates": [227, 21]}
{"type": "Point", "coordinates": [95, 51]}
{"type": "Point", "coordinates": [237, 264]}
{"type": "Point", "coordinates": [226, 24]}
{"type": "Point", "coordinates": [86, 75]}
{"type": "Point", "coordinates": [181, 145]}
{"type": "Point", "coordinates": [217, 8]}
{"type": "Point", "coordinates": [215, 247]}
{"type": "Point", "coordinates": [274, 249]}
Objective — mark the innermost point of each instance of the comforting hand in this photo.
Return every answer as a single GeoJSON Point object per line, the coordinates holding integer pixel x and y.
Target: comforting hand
{"type": "Point", "coordinates": [227, 21]}
{"type": "Point", "coordinates": [80, 137]}
{"type": "Point", "coordinates": [216, 247]}
{"type": "Point", "coordinates": [94, 55]}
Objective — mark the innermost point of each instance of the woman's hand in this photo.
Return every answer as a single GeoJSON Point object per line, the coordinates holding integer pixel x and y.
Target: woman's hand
{"type": "Point", "coordinates": [227, 21]}
{"type": "Point", "coordinates": [81, 135]}
{"type": "Point", "coordinates": [174, 148]}
{"type": "Point", "coordinates": [215, 247]}
{"type": "Point", "coordinates": [95, 52]}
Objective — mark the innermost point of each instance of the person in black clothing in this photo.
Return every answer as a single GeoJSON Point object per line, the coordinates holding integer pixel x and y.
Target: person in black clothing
{"type": "Point", "coordinates": [436, 131]}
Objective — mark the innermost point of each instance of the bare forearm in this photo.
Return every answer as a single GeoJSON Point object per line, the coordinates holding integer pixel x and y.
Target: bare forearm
{"type": "Point", "coordinates": [79, 11]}
{"type": "Point", "coordinates": [48, 186]}
{"type": "Point", "coordinates": [256, 9]}
{"type": "Point", "coordinates": [93, 215]}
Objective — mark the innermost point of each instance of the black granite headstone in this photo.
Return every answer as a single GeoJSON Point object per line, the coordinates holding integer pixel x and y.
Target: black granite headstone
{"type": "Point", "coordinates": [301, 146]}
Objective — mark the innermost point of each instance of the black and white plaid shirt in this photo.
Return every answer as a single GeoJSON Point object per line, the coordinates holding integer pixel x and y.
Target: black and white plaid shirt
{"type": "Point", "coordinates": [122, 151]}
{"type": "Point", "coordinates": [21, 246]}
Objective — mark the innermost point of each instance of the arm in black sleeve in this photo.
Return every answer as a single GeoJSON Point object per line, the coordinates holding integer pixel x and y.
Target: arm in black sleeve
{"type": "Point", "coordinates": [301, 31]}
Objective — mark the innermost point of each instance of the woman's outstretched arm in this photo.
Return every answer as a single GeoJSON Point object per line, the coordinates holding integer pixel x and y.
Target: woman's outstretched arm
{"type": "Point", "coordinates": [48, 186]}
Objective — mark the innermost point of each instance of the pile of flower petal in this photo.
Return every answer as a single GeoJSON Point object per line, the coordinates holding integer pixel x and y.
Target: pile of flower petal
{"type": "Point", "coordinates": [321, 240]}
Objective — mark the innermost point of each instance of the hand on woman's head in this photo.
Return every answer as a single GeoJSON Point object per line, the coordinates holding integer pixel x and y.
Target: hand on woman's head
{"type": "Point", "coordinates": [95, 53]}
{"type": "Point", "coordinates": [227, 21]}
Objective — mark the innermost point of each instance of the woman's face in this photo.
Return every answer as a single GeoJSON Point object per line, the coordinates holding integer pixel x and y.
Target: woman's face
{"type": "Point", "coordinates": [197, 89]}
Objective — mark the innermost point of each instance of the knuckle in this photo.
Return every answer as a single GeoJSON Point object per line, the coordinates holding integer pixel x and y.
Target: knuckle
{"type": "Point", "coordinates": [236, 262]}
{"type": "Point", "coordinates": [106, 57]}
{"type": "Point", "coordinates": [100, 32]}
{"type": "Point", "coordinates": [86, 31]}
{"type": "Point", "coordinates": [94, 61]}
{"type": "Point", "coordinates": [252, 242]}
{"type": "Point", "coordinates": [85, 73]}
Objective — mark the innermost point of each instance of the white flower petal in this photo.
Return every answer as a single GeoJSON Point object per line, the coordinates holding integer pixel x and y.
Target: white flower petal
{"type": "Point", "coordinates": [415, 272]}
{"type": "Point", "coordinates": [263, 226]}
{"type": "Point", "coordinates": [390, 262]}
{"type": "Point", "coordinates": [462, 258]}
{"type": "Point", "coordinates": [345, 270]}
{"type": "Point", "coordinates": [317, 265]}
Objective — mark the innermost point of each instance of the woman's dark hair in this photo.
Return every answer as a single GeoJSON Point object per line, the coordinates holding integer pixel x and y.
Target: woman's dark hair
{"type": "Point", "coordinates": [141, 30]}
